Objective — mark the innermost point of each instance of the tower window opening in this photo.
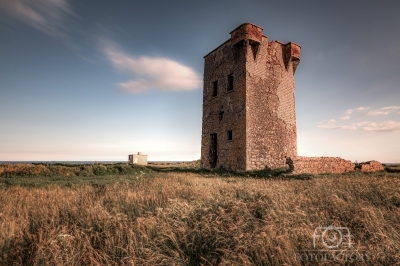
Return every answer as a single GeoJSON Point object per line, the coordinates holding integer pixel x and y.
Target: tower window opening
{"type": "Point", "coordinates": [229, 135]}
{"type": "Point", "coordinates": [215, 88]}
{"type": "Point", "coordinates": [221, 115]}
{"type": "Point", "coordinates": [230, 82]}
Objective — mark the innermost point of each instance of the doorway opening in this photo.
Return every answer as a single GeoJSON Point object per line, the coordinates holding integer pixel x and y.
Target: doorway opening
{"type": "Point", "coordinates": [213, 150]}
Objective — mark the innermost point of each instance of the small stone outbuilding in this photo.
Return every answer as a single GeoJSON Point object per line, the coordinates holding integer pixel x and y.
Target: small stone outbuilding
{"type": "Point", "coordinates": [138, 158]}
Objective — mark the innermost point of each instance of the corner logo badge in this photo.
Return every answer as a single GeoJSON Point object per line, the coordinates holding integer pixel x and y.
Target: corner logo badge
{"type": "Point", "coordinates": [332, 237]}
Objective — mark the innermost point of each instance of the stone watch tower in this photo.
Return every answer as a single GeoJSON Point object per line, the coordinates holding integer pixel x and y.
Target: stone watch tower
{"type": "Point", "coordinates": [249, 119]}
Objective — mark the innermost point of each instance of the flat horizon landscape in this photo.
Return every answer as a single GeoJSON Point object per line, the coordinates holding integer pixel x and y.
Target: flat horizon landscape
{"type": "Point", "coordinates": [110, 162]}
{"type": "Point", "coordinates": [270, 130]}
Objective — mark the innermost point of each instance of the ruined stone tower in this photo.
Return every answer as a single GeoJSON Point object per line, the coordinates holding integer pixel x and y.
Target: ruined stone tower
{"type": "Point", "coordinates": [249, 119]}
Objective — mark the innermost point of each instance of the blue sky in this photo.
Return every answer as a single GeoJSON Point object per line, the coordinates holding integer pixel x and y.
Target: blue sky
{"type": "Point", "coordinates": [98, 80]}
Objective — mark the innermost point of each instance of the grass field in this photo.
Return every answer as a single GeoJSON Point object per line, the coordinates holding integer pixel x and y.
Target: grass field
{"type": "Point", "coordinates": [180, 215]}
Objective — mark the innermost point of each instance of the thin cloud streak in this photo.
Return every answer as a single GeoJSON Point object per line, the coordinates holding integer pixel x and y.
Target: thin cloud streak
{"type": "Point", "coordinates": [333, 125]}
{"type": "Point", "coordinates": [385, 111]}
{"type": "Point", "coordinates": [387, 126]}
{"type": "Point", "coordinates": [348, 112]}
{"type": "Point", "coordinates": [152, 73]}
{"type": "Point", "coordinates": [46, 16]}
{"type": "Point", "coordinates": [382, 126]}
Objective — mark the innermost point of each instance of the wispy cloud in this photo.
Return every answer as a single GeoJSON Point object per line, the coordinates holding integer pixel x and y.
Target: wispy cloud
{"type": "Point", "coordinates": [332, 124]}
{"type": "Point", "coordinates": [385, 111]}
{"type": "Point", "coordinates": [387, 126]}
{"type": "Point", "coordinates": [46, 16]}
{"type": "Point", "coordinates": [381, 126]}
{"type": "Point", "coordinates": [152, 73]}
{"type": "Point", "coordinates": [348, 112]}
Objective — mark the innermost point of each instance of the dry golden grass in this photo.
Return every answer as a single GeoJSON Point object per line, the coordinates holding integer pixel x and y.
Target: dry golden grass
{"type": "Point", "coordinates": [192, 219]}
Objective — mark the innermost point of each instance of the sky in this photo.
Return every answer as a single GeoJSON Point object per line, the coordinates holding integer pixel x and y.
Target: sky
{"type": "Point", "coordinates": [97, 80]}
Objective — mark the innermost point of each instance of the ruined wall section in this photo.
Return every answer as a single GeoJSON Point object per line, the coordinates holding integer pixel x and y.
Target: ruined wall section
{"type": "Point", "coordinates": [319, 165]}
{"type": "Point", "coordinates": [271, 120]}
{"type": "Point", "coordinates": [329, 165]}
{"type": "Point", "coordinates": [370, 166]}
{"type": "Point", "coordinates": [227, 110]}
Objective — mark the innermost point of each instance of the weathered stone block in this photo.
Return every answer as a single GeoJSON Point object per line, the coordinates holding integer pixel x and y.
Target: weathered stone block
{"type": "Point", "coordinates": [371, 166]}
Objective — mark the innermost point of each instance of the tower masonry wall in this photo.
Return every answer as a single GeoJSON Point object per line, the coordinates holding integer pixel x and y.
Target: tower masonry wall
{"type": "Point", "coordinates": [259, 110]}
{"type": "Point", "coordinates": [271, 118]}
{"type": "Point", "coordinates": [225, 111]}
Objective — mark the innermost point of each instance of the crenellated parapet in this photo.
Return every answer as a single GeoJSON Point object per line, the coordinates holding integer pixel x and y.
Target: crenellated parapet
{"type": "Point", "coordinates": [292, 54]}
{"type": "Point", "coordinates": [246, 32]}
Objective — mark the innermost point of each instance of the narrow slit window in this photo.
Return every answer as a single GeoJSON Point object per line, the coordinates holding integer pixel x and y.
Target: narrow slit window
{"type": "Point", "coordinates": [221, 115]}
{"type": "Point", "coordinates": [215, 88]}
{"type": "Point", "coordinates": [229, 135]}
{"type": "Point", "coordinates": [230, 82]}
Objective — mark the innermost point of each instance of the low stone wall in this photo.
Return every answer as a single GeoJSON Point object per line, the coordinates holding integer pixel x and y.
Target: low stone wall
{"type": "Point", "coordinates": [329, 165]}
{"type": "Point", "coordinates": [319, 165]}
{"type": "Point", "coordinates": [371, 166]}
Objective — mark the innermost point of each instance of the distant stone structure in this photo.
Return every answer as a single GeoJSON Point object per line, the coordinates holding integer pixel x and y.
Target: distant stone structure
{"type": "Point", "coordinates": [370, 166]}
{"type": "Point", "coordinates": [318, 165]}
{"type": "Point", "coordinates": [329, 165]}
{"type": "Point", "coordinates": [249, 119]}
{"type": "Point", "coordinates": [138, 158]}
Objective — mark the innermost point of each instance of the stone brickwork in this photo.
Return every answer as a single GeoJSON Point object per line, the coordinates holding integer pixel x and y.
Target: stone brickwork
{"type": "Point", "coordinates": [319, 165]}
{"type": "Point", "coordinates": [249, 119]}
{"type": "Point", "coordinates": [371, 166]}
